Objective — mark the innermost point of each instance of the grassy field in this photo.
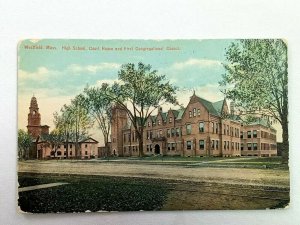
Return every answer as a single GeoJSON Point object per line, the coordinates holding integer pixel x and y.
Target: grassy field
{"type": "Point", "coordinates": [93, 193]}
{"type": "Point", "coordinates": [100, 193]}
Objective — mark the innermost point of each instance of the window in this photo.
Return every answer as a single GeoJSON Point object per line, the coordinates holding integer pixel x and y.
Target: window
{"type": "Point", "coordinates": [254, 146]}
{"type": "Point", "coordinates": [170, 119]}
{"type": "Point", "coordinates": [224, 144]}
{"type": "Point", "coordinates": [249, 146]}
{"type": "Point", "coordinates": [58, 152]}
{"type": "Point", "coordinates": [217, 145]}
{"type": "Point", "coordinates": [133, 136]}
{"type": "Point", "coordinates": [86, 152]}
{"type": "Point", "coordinates": [70, 152]}
{"type": "Point", "coordinates": [249, 134]}
{"type": "Point", "coordinates": [228, 145]}
{"type": "Point", "coordinates": [194, 112]}
{"type": "Point", "coordinates": [158, 122]}
{"type": "Point", "coordinates": [217, 128]}
{"type": "Point", "coordinates": [190, 114]}
{"type": "Point", "coordinates": [169, 146]}
{"type": "Point", "coordinates": [151, 134]}
{"type": "Point", "coordinates": [148, 124]}
{"type": "Point", "coordinates": [65, 146]}
{"type": "Point", "coordinates": [227, 129]}
{"type": "Point", "coordinates": [213, 144]}
{"type": "Point", "coordinates": [173, 146]}
{"type": "Point", "coordinates": [212, 127]}
{"type": "Point", "coordinates": [150, 148]}
{"type": "Point", "coordinates": [242, 146]}
{"type": "Point", "coordinates": [71, 146]}
{"type": "Point", "coordinates": [237, 133]}
{"type": "Point", "coordinates": [198, 112]}
{"type": "Point", "coordinates": [255, 134]}
{"type": "Point", "coordinates": [232, 145]}
{"type": "Point", "coordinates": [236, 146]}
{"type": "Point", "coordinates": [124, 138]}
{"type": "Point", "coordinates": [231, 131]}
{"type": "Point", "coordinates": [85, 145]}
{"type": "Point", "coordinates": [173, 132]}
{"type": "Point", "coordinates": [242, 134]}
{"type": "Point", "coordinates": [224, 128]}
{"type": "Point", "coordinates": [201, 144]}
{"type": "Point", "coordinates": [201, 127]}
{"type": "Point", "coordinates": [188, 129]}
{"type": "Point", "coordinates": [177, 132]}
{"type": "Point", "coordinates": [168, 133]}
{"type": "Point", "coordinates": [125, 149]}
{"type": "Point", "coordinates": [189, 145]}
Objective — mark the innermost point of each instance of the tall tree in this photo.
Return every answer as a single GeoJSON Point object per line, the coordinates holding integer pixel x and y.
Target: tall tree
{"type": "Point", "coordinates": [64, 125]}
{"type": "Point", "coordinates": [73, 121]}
{"type": "Point", "coordinates": [99, 107]}
{"type": "Point", "coordinates": [256, 79]}
{"type": "Point", "coordinates": [139, 92]}
{"type": "Point", "coordinates": [24, 144]}
{"type": "Point", "coordinates": [81, 121]}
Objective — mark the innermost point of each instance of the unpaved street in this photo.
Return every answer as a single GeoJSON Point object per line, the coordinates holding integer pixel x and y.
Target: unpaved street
{"type": "Point", "coordinates": [261, 177]}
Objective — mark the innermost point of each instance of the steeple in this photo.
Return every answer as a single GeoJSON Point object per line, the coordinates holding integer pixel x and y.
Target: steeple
{"type": "Point", "coordinates": [34, 118]}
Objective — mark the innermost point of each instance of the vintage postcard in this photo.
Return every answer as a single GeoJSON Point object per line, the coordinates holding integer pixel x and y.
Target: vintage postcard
{"type": "Point", "coordinates": [148, 125]}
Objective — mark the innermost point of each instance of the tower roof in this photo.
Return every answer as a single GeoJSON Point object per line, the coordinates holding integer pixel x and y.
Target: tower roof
{"type": "Point", "coordinates": [33, 103]}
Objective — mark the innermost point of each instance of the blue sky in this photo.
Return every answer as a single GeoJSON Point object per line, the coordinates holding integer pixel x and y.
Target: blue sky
{"type": "Point", "coordinates": [56, 76]}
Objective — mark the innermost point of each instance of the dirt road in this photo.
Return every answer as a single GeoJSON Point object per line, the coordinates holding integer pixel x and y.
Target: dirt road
{"type": "Point", "coordinates": [261, 177]}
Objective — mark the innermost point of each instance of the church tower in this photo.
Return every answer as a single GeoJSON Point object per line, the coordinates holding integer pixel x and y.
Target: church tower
{"type": "Point", "coordinates": [34, 119]}
{"type": "Point", "coordinates": [118, 123]}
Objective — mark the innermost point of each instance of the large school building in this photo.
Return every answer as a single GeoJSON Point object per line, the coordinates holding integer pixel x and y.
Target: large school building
{"type": "Point", "coordinates": [203, 128]}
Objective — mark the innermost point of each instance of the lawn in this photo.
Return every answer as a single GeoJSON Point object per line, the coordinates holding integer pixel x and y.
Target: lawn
{"type": "Point", "coordinates": [91, 193]}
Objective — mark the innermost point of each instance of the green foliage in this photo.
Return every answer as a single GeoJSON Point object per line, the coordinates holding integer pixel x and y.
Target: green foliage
{"type": "Point", "coordinates": [73, 121]}
{"type": "Point", "coordinates": [256, 73]}
{"type": "Point", "coordinates": [256, 79]}
{"type": "Point", "coordinates": [140, 91]}
{"type": "Point", "coordinates": [99, 107]}
{"type": "Point", "coordinates": [24, 144]}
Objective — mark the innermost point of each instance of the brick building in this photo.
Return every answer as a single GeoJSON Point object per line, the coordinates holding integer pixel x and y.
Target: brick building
{"type": "Point", "coordinates": [88, 147]}
{"type": "Point", "coordinates": [203, 128]}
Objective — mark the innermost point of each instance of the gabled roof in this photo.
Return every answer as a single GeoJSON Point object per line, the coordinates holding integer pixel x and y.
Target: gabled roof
{"type": "Point", "coordinates": [180, 114]}
{"type": "Point", "coordinates": [218, 106]}
{"type": "Point", "coordinates": [262, 122]}
{"type": "Point", "coordinates": [164, 116]}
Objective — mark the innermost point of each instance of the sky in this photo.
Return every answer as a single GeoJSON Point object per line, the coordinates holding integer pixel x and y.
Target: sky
{"type": "Point", "coordinates": [55, 71]}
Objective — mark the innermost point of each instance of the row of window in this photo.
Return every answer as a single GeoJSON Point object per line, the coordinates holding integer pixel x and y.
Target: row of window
{"type": "Point", "coordinates": [133, 149]}
{"type": "Point", "coordinates": [58, 153]}
{"type": "Point", "coordinates": [193, 113]}
{"type": "Point", "coordinates": [70, 146]}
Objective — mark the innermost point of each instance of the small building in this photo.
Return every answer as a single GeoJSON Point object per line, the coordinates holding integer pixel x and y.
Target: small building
{"type": "Point", "coordinates": [86, 149]}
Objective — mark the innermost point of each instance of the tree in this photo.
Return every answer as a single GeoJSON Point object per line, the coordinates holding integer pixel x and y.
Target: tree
{"type": "Point", "coordinates": [139, 92]}
{"type": "Point", "coordinates": [73, 122]}
{"type": "Point", "coordinates": [64, 123]}
{"type": "Point", "coordinates": [54, 139]}
{"type": "Point", "coordinates": [99, 107]}
{"type": "Point", "coordinates": [24, 144]}
{"type": "Point", "coordinates": [256, 79]}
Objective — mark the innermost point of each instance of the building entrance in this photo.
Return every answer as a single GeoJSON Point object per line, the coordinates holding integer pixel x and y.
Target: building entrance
{"type": "Point", "coordinates": [157, 149]}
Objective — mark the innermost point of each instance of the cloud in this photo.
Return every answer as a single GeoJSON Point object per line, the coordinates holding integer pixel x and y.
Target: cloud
{"type": "Point", "coordinates": [75, 68]}
{"type": "Point", "coordinates": [41, 73]}
{"type": "Point", "coordinates": [202, 63]}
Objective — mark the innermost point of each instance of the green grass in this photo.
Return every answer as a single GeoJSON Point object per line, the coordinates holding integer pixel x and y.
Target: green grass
{"type": "Point", "coordinates": [93, 193]}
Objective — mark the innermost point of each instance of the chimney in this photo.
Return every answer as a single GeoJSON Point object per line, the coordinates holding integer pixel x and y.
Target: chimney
{"type": "Point", "coordinates": [232, 107]}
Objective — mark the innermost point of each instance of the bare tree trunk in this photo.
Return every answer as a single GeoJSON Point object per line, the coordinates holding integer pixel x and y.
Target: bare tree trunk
{"type": "Point", "coordinates": [285, 142]}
